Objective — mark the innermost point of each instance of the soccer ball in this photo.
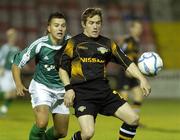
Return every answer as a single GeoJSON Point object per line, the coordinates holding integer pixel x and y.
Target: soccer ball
{"type": "Point", "coordinates": [150, 63]}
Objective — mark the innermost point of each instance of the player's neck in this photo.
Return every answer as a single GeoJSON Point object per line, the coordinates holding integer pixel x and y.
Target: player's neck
{"type": "Point", "coordinates": [11, 43]}
{"type": "Point", "coordinates": [136, 37]}
{"type": "Point", "coordinates": [55, 41]}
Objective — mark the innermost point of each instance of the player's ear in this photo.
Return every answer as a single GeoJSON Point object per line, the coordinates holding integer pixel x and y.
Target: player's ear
{"type": "Point", "coordinates": [82, 23]}
{"type": "Point", "coordinates": [48, 28]}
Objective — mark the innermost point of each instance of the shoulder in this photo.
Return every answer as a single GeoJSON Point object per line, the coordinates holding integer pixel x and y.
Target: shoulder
{"type": "Point", "coordinates": [66, 39]}
{"type": "Point", "coordinates": [75, 39]}
{"type": "Point", "coordinates": [14, 48]}
{"type": "Point", "coordinates": [68, 36]}
{"type": "Point", "coordinates": [104, 38]}
{"type": "Point", "coordinates": [39, 40]}
{"type": "Point", "coordinates": [129, 38]}
{"type": "Point", "coordinates": [106, 41]}
{"type": "Point", "coordinates": [5, 48]}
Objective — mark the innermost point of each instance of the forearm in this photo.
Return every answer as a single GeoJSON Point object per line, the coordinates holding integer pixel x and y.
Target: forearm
{"type": "Point", "coordinates": [64, 76]}
{"type": "Point", "coordinates": [16, 71]}
{"type": "Point", "coordinates": [135, 72]}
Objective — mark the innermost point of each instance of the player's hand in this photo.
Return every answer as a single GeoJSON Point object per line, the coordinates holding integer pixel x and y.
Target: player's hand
{"type": "Point", "coordinates": [145, 86]}
{"type": "Point", "coordinates": [69, 97]}
{"type": "Point", "coordinates": [21, 90]}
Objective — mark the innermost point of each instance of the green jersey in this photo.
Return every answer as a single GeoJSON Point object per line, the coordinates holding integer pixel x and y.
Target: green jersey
{"type": "Point", "coordinates": [7, 53]}
{"type": "Point", "coordinates": [45, 51]}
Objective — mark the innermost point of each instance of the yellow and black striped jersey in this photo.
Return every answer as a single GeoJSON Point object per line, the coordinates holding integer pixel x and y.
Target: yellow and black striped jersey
{"type": "Point", "coordinates": [131, 48]}
{"type": "Point", "coordinates": [86, 58]}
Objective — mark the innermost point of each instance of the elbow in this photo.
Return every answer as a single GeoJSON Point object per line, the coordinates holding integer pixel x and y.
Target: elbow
{"type": "Point", "coordinates": [62, 69]}
{"type": "Point", "coordinates": [131, 68]}
{"type": "Point", "coordinates": [13, 66]}
{"type": "Point", "coordinates": [131, 65]}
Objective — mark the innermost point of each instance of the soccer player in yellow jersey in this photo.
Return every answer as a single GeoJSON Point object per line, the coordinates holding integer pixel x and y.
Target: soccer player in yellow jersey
{"type": "Point", "coordinates": [127, 83]}
{"type": "Point", "coordinates": [83, 71]}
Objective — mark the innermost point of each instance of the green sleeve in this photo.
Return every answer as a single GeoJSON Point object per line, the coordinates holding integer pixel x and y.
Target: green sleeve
{"type": "Point", "coordinates": [23, 57]}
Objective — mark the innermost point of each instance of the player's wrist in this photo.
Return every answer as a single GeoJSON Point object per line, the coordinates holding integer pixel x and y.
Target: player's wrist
{"type": "Point", "coordinates": [68, 87]}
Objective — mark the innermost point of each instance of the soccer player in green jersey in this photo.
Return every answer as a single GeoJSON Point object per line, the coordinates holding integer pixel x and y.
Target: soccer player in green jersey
{"type": "Point", "coordinates": [7, 86]}
{"type": "Point", "coordinates": [46, 89]}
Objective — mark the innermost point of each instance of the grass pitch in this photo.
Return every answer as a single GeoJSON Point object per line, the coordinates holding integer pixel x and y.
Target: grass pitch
{"type": "Point", "coordinates": [160, 117]}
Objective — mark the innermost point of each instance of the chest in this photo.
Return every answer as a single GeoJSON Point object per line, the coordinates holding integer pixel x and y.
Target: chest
{"type": "Point", "coordinates": [92, 49]}
{"type": "Point", "coordinates": [46, 55]}
{"type": "Point", "coordinates": [132, 46]}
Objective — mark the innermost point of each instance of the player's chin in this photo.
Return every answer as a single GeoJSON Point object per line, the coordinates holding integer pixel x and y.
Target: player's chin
{"type": "Point", "coordinates": [94, 35]}
{"type": "Point", "coordinates": [59, 37]}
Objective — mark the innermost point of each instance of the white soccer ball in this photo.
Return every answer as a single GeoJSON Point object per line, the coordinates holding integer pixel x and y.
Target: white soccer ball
{"type": "Point", "coordinates": [150, 63]}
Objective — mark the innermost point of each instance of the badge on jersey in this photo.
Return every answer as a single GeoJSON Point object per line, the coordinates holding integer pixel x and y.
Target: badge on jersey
{"type": "Point", "coordinates": [102, 50]}
{"type": "Point", "coordinates": [81, 108]}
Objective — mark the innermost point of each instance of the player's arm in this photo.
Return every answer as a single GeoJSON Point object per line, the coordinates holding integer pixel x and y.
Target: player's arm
{"type": "Point", "coordinates": [64, 63]}
{"type": "Point", "coordinates": [19, 61]}
{"type": "Point", "coordinates": [119, 56]}
{"type": "Point", "coordinates": [130, 67]}
{"type": "Point", "coordinates": [126, 45]}
{"type": "Point", "coordinates": [134, 71]}
{"type": "Point", "coordinates": [20, 88]}
{"type": "Point", "coordinates": [70, 94]}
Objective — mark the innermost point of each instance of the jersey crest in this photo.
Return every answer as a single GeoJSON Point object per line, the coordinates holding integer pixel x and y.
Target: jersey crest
{"type": "Point", "coordinates": [102, 50]}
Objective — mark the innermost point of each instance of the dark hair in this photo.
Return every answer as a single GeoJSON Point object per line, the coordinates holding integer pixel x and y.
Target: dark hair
{"type": "Point", "coordinates": [90, 12]}
{"type": "Point", "coordinates": [55, 15]}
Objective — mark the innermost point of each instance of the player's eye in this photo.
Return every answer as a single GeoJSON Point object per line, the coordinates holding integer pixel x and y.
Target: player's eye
{"type": "Point", "coordinates": [91, 22]}
{"type": "Point", "coordinates": [56, 25]}
{"type": "Point", "coordinates": [98, 23]}
{"type": "Point", "coordinates": [63, 25]}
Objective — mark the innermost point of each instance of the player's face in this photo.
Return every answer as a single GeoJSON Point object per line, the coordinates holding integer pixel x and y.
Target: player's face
{"type": "Point", "coordinates": [57, 29]}
{"type": "Point", "coordinates": [93, 26]}
{"type": "Point", "coordinates": [12, 36]}
{"type": "Point", "coordinates": [137, 29]}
